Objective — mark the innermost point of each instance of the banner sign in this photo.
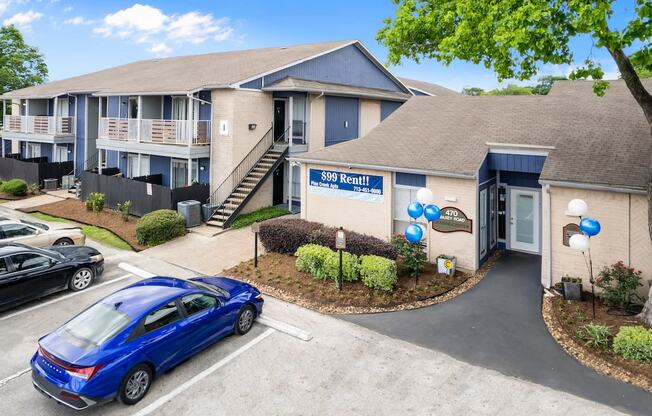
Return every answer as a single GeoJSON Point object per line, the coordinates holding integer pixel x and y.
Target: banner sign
{"type": "Point", "coordinates": [453, 219]}
{"type": "Point", "coordinates": [346, 185]}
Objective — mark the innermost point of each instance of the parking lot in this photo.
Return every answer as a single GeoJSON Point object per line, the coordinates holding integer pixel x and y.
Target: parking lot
{"type": "Point", "coordinates": [342, 369]}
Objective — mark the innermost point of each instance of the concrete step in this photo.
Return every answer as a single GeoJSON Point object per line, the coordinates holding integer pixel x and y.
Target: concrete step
{"type": "Point", "coordinates": [215, 223]}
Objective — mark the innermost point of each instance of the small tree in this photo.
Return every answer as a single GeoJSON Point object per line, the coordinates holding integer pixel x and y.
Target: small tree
{"type": "Point", "coordinates": [21, 65]}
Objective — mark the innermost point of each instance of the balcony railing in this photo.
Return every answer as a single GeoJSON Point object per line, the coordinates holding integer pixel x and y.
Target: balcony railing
{"type": "Point", "coordinates": [39, 124]}
{"type": "Point", "coordinates": [181, 132]}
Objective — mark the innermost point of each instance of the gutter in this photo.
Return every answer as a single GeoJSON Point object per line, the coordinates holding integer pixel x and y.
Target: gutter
{"type": "Point", "coordinates": [593, 187]}
{"type": "Point", "coordinates": [385, 168]}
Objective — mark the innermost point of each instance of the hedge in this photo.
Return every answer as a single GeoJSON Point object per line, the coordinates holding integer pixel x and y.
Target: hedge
{"type": "Point", "coordinates": [634, 343]}
{"type": "Point", "coordinates": [160, 226]}
{"type": "Point", "coordinates": [15, 187]}
{"type": "Point", "coordinates": [323, 263]}
{"type": "Point", "coordinates": [378, 272]}
{"type": "Point", "coordinates": [287, 235]}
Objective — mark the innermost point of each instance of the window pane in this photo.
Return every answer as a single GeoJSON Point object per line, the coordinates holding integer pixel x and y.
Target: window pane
{"type": "Point", "coordinates": [197, 303]}
{"type": "Point", "coordinates": [17, 230]}
{"type": "Point", "coordinates": [3, 266]}
{"type": "Point", "coordinates": [525, 218]}
{"type": "Point", "coordinates": [26, 261]}
{"type": "Point", "coordinates": [96, 324]}
{"type": "Point", "coordinates": [161, 317]}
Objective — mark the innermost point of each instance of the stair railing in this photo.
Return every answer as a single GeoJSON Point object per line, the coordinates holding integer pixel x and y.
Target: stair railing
{"type": "Point", "coordinates": [90, 162]}
{"type": "Point", "coordinates": [239, 173]}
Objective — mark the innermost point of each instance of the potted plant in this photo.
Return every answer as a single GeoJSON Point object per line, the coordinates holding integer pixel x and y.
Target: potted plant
{"type": "Point", "coordinates": [572, 287]}
{"type": "Point", "coordinates": [446, 264]}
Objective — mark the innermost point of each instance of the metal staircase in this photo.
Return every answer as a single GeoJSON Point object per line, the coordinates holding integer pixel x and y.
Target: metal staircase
{"type": "Point", "coordinates": [242, 183]}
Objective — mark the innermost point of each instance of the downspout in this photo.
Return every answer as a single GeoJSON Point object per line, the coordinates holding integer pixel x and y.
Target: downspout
{"type": "Point", "coordinates": [549, 236]}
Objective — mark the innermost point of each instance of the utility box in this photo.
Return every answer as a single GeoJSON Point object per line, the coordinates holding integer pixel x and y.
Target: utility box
{"type": "Point", "coordinates": [67, 181]}
{"type": "Point", "coordinates": [191, 210]}
{"type": "Point", "coordinates": [50, 184]}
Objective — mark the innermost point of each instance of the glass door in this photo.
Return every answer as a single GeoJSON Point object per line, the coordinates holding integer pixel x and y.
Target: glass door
{"type": "Point", "coordinates": [179, 173]}
{"type": "Point", "coordinates": [524, 220]}
{"type": "Point", "coordinates": [61, 154]}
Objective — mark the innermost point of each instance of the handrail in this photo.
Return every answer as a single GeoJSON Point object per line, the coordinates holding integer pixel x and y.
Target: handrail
{"type": "Point", "coordinates": [240, 172]}
{"type": "Point", "coordinates": [92, 159]}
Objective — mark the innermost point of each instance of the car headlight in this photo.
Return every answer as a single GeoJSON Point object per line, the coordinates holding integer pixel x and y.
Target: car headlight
{"type": "Point", "coordinates": [97, 258]}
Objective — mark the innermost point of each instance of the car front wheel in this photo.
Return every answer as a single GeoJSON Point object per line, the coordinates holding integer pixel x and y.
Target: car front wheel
{"type": "Point", "coordinates": [64, 242]}
{"type": "Point", "coordinates": [245, 320]}
{"type": "Point", "coordinates": [81, 279]}
{"type": "Point", "coordinates": [135, 384]}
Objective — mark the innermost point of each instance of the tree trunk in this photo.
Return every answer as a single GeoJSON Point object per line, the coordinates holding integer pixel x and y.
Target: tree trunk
{"type": "Point", "coordinates": [644, 99]}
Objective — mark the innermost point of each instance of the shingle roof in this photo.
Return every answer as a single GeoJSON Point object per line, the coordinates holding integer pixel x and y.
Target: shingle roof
{"type": "Point", "coordinates": [180, 74]}
{"type": "Point", "coordinates": [297, 84]}
{"type": "Point", "coordinates": [429, 87]}
{"type": "Point", "coordinates": [602, 141]}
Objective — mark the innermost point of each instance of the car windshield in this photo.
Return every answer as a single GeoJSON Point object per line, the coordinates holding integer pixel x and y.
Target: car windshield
{"type": "Point", "coordinates": [36, 224]}
{"type": "Point", "coordinates": [210, 288]}
{"type": "Point", "coordinates": [96, 324]}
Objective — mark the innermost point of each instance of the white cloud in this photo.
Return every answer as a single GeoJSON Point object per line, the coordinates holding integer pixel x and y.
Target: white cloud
{"type": "Point", "coordinates": [23, 20]}
{"type": "Point", "coordinates": [147, 24]}
{"type": "Point", "coordinates": [78, 21]}
{"type": "Point", "coordinates": [160, 49]}
{"type": "Point", "coordinates": [67, 8]}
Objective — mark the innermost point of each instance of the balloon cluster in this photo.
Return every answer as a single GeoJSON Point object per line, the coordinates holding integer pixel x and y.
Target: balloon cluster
{"type": "Point", "coordinates": [424, 206]}
{"type": "Point", "coordinates": [590, 227]}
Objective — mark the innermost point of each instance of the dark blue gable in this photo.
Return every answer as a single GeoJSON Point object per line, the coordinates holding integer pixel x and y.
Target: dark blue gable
{"type": "Point", "coordinates": [348, 65]}
{"type": "Point", "coordinates": [387, 108]}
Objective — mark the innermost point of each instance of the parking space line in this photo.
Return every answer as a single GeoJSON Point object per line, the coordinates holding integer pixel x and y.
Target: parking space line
{"type": "Point", "coordinates": [13, 376]}
{"type": "Point", "coordinates": [285, 328]}
{"type": "Point", "coordinates": [185, 386]}
{"type": "Point", "coordinates": [135, 270]}
{"type": "Point", "coordinates": [68, 296]}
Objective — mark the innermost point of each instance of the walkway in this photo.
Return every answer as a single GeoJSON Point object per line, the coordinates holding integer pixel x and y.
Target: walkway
{"type": "Point", "coordinates": [498, 325]}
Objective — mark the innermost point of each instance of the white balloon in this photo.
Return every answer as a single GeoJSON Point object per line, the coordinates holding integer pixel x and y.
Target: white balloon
{"type": "Point", "coordinates": [425, 196]}
{"type": "Point", "coordinates": [577, 208]}
{"type": "Point", "coordinates": [579, 242]}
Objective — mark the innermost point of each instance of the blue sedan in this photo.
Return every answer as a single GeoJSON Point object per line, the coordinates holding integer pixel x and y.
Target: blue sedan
{"type": "Point", "coordinates": [116, 347]}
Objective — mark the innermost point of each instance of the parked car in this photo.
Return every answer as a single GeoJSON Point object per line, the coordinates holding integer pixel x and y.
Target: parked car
{"type": "Point", "coordinates": [39, 235]}
{"type": "Point", "coordinates": [28, 273]}
{"type": "Point", "coordinates": [116, 347]}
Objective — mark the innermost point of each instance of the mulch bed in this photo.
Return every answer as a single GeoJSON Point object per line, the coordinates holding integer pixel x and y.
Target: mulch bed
{"type": "Point", "coordinates": [565, 318]}
{"type": "Point", "coordinates": [10, 197]}
{"type": "Point", "coordinates": [75, 210]}
{"type": "Point", "coordinates": [277, 276]}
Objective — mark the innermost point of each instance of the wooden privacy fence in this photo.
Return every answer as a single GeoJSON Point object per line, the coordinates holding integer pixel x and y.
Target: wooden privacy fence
{"type": "Point", "coordinates": [33, 170]}
{"type": "Point", "coordinates": [145, 197]}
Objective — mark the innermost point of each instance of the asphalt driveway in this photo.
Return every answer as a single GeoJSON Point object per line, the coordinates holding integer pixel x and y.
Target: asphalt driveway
{"type": "Point", "coordinates": [498, 325]}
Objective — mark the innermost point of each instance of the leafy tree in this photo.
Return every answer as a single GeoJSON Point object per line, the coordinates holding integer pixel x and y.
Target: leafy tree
{"type": "Point", "coordinates": [473, 91]}
{"type": "Point", "coordinates": [511, 89]}
{"type": "Point", "coordinates": [514, 37]}
{"type": "Point", "coordinates": [545, 84]}
{"type": "Point", "coordinates": [21, 65]}
{"type": "Point", "coordinates": [642, 61]}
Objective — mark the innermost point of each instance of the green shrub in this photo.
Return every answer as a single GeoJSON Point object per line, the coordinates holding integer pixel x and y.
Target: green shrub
{"type": "Point", "coordinates": [311, 258]}
{"type": "Point", "coordinates": [414, 254]}
{"type": "Point", "coordinates": [350, 266]}
{"type": "Point", "coordinates": [619, 284]}
{"type": "Point", "coordinates": [634, 343]}
{"type": "Point", "coordinates": [95, 202]}
{"type": "Point", "coordinates": [260, 215]}
{"type": "Point", "coordinates": [378, 272]}
{"type": "Point", "coordinates": [15, 187]}
{"type": "Point", "coordinates": [124, 210]}
{"type": "Point", "coordinates": [160, 226]}
{"type": "Point", "coordinates": [595, 335]}
{"type": "Point", "coordinates": [33, 189]}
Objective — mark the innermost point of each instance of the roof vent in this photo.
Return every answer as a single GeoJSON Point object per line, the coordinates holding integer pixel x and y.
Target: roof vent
{"type": "Point", "coordinates": [283, 47]}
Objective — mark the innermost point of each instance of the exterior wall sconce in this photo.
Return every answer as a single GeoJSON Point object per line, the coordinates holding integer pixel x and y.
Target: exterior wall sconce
{"type": "Point", "coordinates": [252, 126]}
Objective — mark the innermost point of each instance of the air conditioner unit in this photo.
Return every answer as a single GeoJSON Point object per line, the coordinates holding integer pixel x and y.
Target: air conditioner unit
{"type": "Point", "coordinates": [191, 210]}
{"type": "Point", "coordinates": [50, 184]}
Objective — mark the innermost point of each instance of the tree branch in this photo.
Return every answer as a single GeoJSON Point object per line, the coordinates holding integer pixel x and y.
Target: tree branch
{"type": "Point", "coordinates": [633, 82]}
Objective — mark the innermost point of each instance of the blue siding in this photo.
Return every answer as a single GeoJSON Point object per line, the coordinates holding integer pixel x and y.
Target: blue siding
{"type": "Point", "coordinates": [81, 133]}
{"type": "Point", "coordinates": [51, 107]}
{"type": "Point", "coordinates": [339, 111]}
{"type": "Point", "coordinates": [255, 84]}
{"type": "Point", "coordinates": [46, 150]}
{"type": "Point", "coordinates": [485, 172]}
{"type": "Point", "coordinates": [205, 109]}
{"type": "Point", "coordinates": [160, 164]}
{"type": "Point", "coordinates": [387, 108]}
{"type": "Point", "coordinates": [122, 163]}
{"type": "Point", "coordinates": [525, 180]}
{"type": "Point", "coordinates": [204, 175]}
{"type": "Point", "coordinates": [112, 158]}
{"type": "Point", "coordinates": [167, 107]}
{"type": "Point", "coordinates": [72, 103]}
{"type": "Point", "coordinates": [410, 179]}
{"type": "Point", "coordinates": [488, 219]}
{"type": "Point", "coordinates": [113, 107]}
{"type": "Point", "coordinates": [344, 66]}
{"type": "Point", "coordinates": [7, 145]}
{"type": "Point", "coordinates": [516, 163]}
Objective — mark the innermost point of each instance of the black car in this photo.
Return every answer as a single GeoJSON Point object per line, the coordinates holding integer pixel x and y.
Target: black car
{"type": "Point", "coordinates": [28, 273]}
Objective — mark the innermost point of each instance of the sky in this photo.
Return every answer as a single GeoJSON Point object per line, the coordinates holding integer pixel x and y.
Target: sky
{"type": "Point", "coordinates": [79, 37]}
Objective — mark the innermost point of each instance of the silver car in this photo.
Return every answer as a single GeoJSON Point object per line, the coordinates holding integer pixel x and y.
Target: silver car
{"type": "Point", "coordinates": [39, 235]}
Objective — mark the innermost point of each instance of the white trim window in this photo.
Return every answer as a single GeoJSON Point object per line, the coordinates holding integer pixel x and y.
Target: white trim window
{"type": "Point", "coordinates": [179, 173]}
{"type": "Point", "coordinates": [179, 108]}
{"type": "Point", "coordinates": [405, 192]}
{"type": "Point", "coordinates": [33, 150]}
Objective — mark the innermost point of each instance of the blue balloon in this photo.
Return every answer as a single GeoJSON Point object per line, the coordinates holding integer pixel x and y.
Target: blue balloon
{"type": "Point", "coordinates": [432, 212]}
{"type": "Point", "coordinates": [590, 226]}
{"type": "Point", "coordinates": [413, 233]}
{"type": "Point", "coordinates": [415, 210]}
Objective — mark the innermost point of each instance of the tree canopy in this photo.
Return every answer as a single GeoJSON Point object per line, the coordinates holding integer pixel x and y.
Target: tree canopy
{"type": "Point", "coordinates": [541, 88]}
{"type": "Point", "coordinates": [514, 37]}
{"type": "Point", "coordinates": [21, 65]}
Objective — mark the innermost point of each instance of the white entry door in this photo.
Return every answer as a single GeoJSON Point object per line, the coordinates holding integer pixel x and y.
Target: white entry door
{"type": "Point", "coordinates": [483, 223]}
{"type": "Point", "coordinates": [524, 220]}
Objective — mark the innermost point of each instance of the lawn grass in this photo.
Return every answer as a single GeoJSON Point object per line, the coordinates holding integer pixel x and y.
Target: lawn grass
{"type": "Point", "coordinates": [259, 215]}
{"type": "Point", "coordinates": [100, 234]}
